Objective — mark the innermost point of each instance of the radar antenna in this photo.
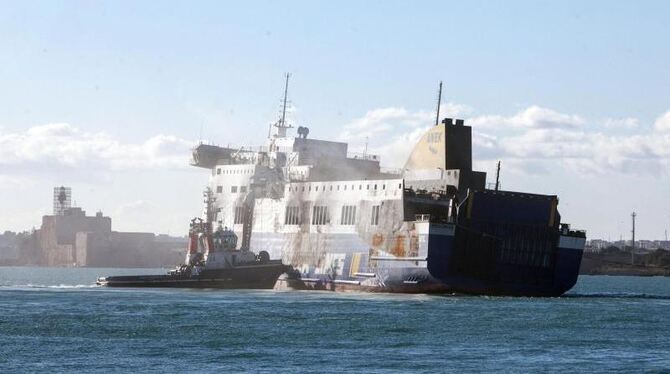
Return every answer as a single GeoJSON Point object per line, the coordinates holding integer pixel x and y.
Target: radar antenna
{"type": "Point", "coordinates": [439, 101]}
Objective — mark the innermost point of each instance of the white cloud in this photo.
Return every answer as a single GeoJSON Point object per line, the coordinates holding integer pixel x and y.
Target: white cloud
{"type": "Point", "coordinates": [60, 146]}
{"type": "Point", "coordinates": [537, 140]}
{"type": "Point", "coordinates": [378, 122]}
{"type": "Point", "coordinates": [395, 150]}
{"type": "Point", "coordinates": [531, 117]}
{"type": "Point", "coordinates": [134, 206]}
{"type": "Point", "coordinates": [621, 123]}
{"type": "Point", "coordinates": [454, 110]}
{"type": "Point", "coordinates": [662, 123]}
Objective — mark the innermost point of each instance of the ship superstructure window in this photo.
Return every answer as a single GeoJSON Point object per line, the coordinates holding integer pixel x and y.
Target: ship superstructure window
{"type": "Point", "coordinates": [320, 215]}
{"type": "Point", "coordinates": [219, 189]}
{"type": "Point", "coordinates": [374, 220]}
{"type": "Point", "coordinates": [239, 215]}
{"type": "Point", "coordinates": [243, 189]}
{"type": "Point", "coordinates": [218, 171]}
{"type": "Point", "coordinates": [292, 215]}
{"type": "Point", "coordinates": [348, 215]}
{"type": "Point", "coordinates": [233, 189]}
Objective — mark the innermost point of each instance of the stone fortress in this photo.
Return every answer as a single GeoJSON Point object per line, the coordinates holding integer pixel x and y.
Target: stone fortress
{"type": "Point", "coordinates": [71, 238]}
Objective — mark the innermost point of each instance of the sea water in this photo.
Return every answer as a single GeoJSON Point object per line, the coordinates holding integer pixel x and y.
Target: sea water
{"type": "Point", "coordinates": [57, 320]}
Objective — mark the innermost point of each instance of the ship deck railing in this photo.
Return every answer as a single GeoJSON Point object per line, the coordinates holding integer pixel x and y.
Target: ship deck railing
{"type": "Point", "coordinates": [363, 156]}
{"type": "Point", "coordinates": [428, 218]}
{"type": "Point", "coordinates": [394, 171]}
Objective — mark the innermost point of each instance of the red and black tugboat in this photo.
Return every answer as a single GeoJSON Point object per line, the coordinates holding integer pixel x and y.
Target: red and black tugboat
{"type": "Point", "coordinates": [212, 261]}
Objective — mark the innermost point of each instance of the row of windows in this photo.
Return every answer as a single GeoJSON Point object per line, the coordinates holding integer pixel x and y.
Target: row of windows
{"type": "Point", "coordinates": [321, 216]}
{"type": "Point", "coordinates": [233, 189]}
{"type": "Point", "coordinates": [348, 216]}
{"type": "Point", "coordinates": [374, 221]}
{"type": "Point", "coordinates": [292, 215]}
{"type": "Point", "coordinates": [239, 215]}
{"type": "Point", "coordinates": [219, 171]}
{"type": "Point", "coordinates": [341, 187]}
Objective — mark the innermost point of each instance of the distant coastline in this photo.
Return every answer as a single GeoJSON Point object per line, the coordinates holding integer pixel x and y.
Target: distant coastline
{"type": "Point", "coordinates": [614, 261]}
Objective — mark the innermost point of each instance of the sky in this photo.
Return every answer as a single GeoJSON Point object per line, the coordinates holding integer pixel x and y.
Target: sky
{"type": "Point", "coordinates": [108, 97]}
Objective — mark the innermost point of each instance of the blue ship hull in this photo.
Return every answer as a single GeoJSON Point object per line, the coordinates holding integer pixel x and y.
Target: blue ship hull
{"type": "Point", "coordinates": [508, 243]}
{"type": "Point", "coordinates": [503, 244]}
{"type": "Point", "coordinates": [502, 278]}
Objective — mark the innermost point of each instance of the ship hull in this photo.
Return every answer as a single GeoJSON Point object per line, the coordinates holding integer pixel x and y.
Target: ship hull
{"type": "Point", "coordinates": [395, 281]}
{"type": "Point", "coordinates": [450, 261]}
{"type": "Point", "coordinates": [482, 270]}
{"type": "Point", "coordinates": [242, 277]}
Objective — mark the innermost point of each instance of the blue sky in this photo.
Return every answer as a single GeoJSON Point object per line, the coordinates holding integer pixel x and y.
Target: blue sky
{"type": "Point", "coordinates": [108, 96]}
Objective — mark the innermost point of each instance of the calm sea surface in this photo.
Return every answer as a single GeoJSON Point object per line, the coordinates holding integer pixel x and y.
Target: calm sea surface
{"type": "Point", "coordinates": [55, 320]}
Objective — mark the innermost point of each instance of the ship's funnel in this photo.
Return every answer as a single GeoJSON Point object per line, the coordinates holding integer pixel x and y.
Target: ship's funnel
{"type": "Point", "coordinates": [442, 156]}
{"type": "Point", "coordinates": [443, 147]}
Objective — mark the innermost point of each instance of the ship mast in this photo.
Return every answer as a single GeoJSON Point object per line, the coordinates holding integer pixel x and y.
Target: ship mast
{"type": "Point", "coordinates": [439, 100]}
{"type": "Point", "coordinates": [498, 176]}
{"type": "Point", "coordinates": [281, 124]}
{"type": "Point", "coordinates": [210, 211]}
{"type": "Point", "coordinates": [283, 111]}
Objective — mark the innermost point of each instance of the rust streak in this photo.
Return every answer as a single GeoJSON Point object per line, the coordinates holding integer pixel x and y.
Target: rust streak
{"type": "Point", "coordinates": [377, 240]}
{"type": "Point", "coordinates": [398, 248]}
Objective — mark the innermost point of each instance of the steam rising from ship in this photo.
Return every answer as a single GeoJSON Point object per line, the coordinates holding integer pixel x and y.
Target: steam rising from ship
{"type": "Point", "coordinates": [340, 221]}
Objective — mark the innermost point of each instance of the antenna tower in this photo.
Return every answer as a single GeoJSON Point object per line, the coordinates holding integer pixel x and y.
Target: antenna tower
{"type": "Point", "coordinates": [632, 248]}
{"type": "Point", "coordinates": [62, 200]}
{"type": "Point", "coordinates": [439, 101]}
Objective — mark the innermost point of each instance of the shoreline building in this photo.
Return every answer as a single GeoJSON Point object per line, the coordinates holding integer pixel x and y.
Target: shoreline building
{"type": "Point", "coordinates": [59, 233]}
{"type": "Point", "coordinates": [71, 238]}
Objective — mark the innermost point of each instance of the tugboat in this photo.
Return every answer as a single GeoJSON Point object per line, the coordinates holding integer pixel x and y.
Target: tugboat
{"type": "Point", "coordinates": [212, 261]}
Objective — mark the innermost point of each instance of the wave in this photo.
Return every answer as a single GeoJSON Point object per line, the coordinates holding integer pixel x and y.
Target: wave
{"type": "Point", "coordinates": [595, 295]}
{"type": "Point", "coordinates": [50, 286]}
{"type": "Point", "coordinates": [614, 295]}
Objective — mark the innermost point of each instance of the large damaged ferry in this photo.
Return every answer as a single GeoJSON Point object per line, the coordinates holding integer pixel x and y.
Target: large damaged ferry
{"type": "Point", "coordinates": [341, 222]}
